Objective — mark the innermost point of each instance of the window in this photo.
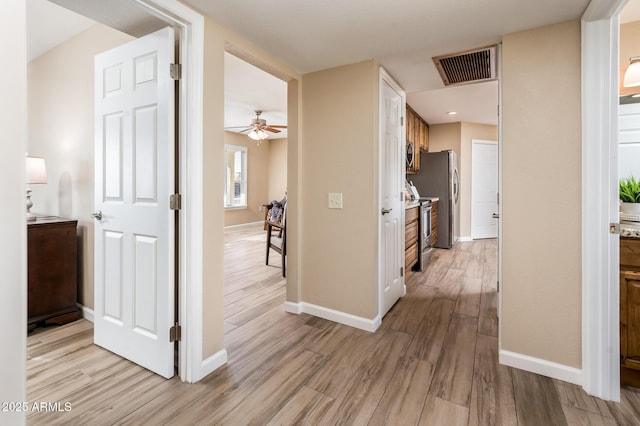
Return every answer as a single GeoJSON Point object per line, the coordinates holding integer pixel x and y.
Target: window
{"type": "Point", "coordinates": [235, 180]}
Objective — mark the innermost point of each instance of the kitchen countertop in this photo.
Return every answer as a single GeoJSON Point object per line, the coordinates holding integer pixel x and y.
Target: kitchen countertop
{"type": "Point", "coordinates": [432, 199]}
{"type": "Point", "coordinates": [409, 204]}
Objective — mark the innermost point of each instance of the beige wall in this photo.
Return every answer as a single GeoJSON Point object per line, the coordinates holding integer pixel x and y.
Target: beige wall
{"type": "Point", "coordinates": [267, 177]}
{"type": "Point", "coordinates": [217, 39]}
{"type": "Point", "coordinates": [277, 169]}
{"type": "Point", "coordinates": [213, 192]}
{"type": "Point", "coordinates": [444, 137]}
{"type": "Point", "coordinates": [468, 132]}
{"type": "Point", "coordinates": [61, 129]}
{"type": "Point", "coordinates": [257, 180]}
{"type": "Point", "coordinates": [457, 137]}
{"type": "Point", "coordinates": [541, 288]}
{"type": "Point", "coordinates": [629, 47]}
{"type": "Point", "coordinates": [13, 244]}
{"type": "Point", "coordinates": [339, 247]}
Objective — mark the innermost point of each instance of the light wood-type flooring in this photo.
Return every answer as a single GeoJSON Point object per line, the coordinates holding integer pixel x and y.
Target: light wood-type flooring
{"type": "Point", "coordinates": [434, 361]}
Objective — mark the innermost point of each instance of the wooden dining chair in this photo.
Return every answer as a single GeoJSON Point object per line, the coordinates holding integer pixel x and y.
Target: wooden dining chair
{"type": "Point", "coordinates": [278, 243]}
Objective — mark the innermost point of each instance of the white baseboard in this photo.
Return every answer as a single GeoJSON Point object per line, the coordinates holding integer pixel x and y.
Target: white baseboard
{"type": "Point", "coordinates": [370, 325]}
{"type": "Point", "coordinates": [542, 367]}
{"type": "Point", "coordinates": [464, 239]}
{"type": "Point", "coordinates": [87, 313]}
{"type": "Point", "coordinates": [244, 225]}
{"type": "Point", "coordinates": [292, 308]}
{"type": "Point", "coordinates": [211, 364]}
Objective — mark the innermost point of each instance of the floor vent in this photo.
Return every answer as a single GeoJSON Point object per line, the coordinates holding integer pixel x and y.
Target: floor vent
{"type": "Point", "coordinates": [470, 66]}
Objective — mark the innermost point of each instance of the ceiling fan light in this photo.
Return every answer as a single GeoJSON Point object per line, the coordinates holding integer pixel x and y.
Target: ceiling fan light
{"type": "Point", "coordinates": [632, 75]}
{"type": "Point", "coordinates": [258, 134]}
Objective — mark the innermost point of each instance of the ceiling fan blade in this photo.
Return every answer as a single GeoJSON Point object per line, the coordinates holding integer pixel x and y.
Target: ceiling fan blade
{"type": "Point", "coordinates": [235, 127]}
{"type": "Point", "coordinates": [278, 127]}
{"type": "Point", "coordinates": [246, 129]}
{"type": "Point", "coordinates": [271, 129]}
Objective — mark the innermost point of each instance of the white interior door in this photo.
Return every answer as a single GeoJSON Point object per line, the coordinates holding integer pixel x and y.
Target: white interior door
{"type": "Point", "coordinates": [484, 189]}
{"type": "Point", "coordinates": [134, 177]}
{"type": "Point", "coordinates": [391, 249]}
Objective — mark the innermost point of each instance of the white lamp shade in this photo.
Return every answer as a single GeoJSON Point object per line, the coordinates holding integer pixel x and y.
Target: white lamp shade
{"type": "Point", "coordinates": [36, 170]}
{"type": "Point", "coordinates": [632, 75]}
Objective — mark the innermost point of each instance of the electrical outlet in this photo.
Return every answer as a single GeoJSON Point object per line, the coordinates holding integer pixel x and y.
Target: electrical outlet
{"type": "Point", "coordinates": [335, 200]}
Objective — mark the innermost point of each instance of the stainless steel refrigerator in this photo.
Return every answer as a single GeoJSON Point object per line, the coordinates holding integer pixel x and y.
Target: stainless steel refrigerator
{"type": "Point", "coordinates": [438, 177]}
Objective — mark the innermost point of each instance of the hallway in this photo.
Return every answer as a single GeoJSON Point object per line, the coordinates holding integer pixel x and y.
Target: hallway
{"type": "Point", "coordinates": [434, 361]}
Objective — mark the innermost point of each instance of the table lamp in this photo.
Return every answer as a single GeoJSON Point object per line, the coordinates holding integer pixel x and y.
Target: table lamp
{"type": "Point", "coordinates": [36, 174]}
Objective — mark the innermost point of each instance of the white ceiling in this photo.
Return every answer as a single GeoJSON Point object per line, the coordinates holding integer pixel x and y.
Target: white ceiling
{"type": "Point", "coordinates": [48, 25]}
{"type": "Point", "coordinates": [402, 36]}
{"type": "Point", "coordinates": [246, 89]}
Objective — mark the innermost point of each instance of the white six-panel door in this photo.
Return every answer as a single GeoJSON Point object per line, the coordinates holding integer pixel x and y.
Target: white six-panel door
{"type": "Point", "coordinates": [484, 189]}
{"type": "Point", "coordinates": [134, 177]}
{"type": "Point", "coordinates": [391, 190]}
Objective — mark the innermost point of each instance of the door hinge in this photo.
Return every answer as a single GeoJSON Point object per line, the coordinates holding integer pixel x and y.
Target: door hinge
{"type": "Point", "coordinates": [614, 228]}
{"type": "Point", "coordinates": [402, 271]}
{"type": "Point", "coordinates": [175, 71]}
{"type": "Point", "coordinates": [175, 333]}
{"type": "Point", "coordinates": [498, 286]}
{"type": "Point", "coordinates": [402, 121]}
{"type": "Point", "coordinates": [175, 201]}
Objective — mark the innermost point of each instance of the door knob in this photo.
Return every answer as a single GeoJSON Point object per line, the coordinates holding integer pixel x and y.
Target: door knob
{"type": "Point", "coordinates": [495, 216]}
{"type": "Point", "coordinates": [385, 211]}
{"type": "Point", "coordinates": [97, 215]}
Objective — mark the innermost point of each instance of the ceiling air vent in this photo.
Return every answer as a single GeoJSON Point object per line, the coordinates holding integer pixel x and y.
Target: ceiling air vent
{"type": "Point", "coordinates": [470, 66]}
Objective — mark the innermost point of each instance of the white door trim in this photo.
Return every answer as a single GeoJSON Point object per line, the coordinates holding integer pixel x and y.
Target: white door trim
{"type": "Point", "coordinates": [385, 77]}
{"type": "Point", "coordinates": [191, 27]}
{"type": "Point", "coordinates": [500, 144]}
{"type": "Point", "coordinates": [600, 250]}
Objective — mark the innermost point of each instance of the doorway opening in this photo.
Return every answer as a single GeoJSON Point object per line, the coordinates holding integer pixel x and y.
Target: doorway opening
{"type": "Point", "coordinates": [484, 189]}
{"type": "Point", "coordinates": [188, 24]}
{"type": "Point", "coordinates": [255, 147]}
{"type": "Point", "coordinates": [628, 169]}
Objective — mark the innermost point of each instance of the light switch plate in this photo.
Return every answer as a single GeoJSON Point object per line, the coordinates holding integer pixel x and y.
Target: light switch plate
{"type": "Point", "coordinates": [335, 200]}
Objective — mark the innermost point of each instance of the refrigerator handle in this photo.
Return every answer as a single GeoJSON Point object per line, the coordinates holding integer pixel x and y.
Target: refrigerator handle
{"type": "Point", "coordinates": [456, 186]}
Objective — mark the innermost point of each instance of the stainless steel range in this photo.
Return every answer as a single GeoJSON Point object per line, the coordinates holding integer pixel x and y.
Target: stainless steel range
{"type": "Point", "coordinates": [424, 242]}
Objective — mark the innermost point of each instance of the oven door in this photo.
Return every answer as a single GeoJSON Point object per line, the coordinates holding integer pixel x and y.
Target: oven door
{"type": "Point", "coordinates": [425, 222]}
{"type": "Point", "coordinates": [425, 236]}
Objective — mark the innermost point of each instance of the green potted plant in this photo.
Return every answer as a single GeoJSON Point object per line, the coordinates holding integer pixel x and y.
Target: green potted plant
{"type": "Point", "coordinates": [630, 195]}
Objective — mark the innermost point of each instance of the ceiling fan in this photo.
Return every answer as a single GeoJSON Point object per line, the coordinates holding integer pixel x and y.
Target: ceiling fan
{"type": "Point", "coordinates": [258, 128]}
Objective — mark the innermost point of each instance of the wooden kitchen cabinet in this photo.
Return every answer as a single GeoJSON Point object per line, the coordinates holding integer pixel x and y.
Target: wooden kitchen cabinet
{"type": "Point", "coordinates": [413, 149]}
{"type": "Point", "coordinates": [424, 140]}
{"type": "Point", "coordinates": [411, 237]}
{"type": "Point", "coordinates": [417, 139]}
{"type": "Point", "coordinates": [630, 311]}
{"type": "Point", "coordinates": [434, 223]}
{"type": "Point", "coordinates": [52, 272]}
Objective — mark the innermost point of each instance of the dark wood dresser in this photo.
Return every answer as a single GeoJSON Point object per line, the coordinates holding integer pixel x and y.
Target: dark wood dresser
{"type": "Point", "coordinates": [52, 272]}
